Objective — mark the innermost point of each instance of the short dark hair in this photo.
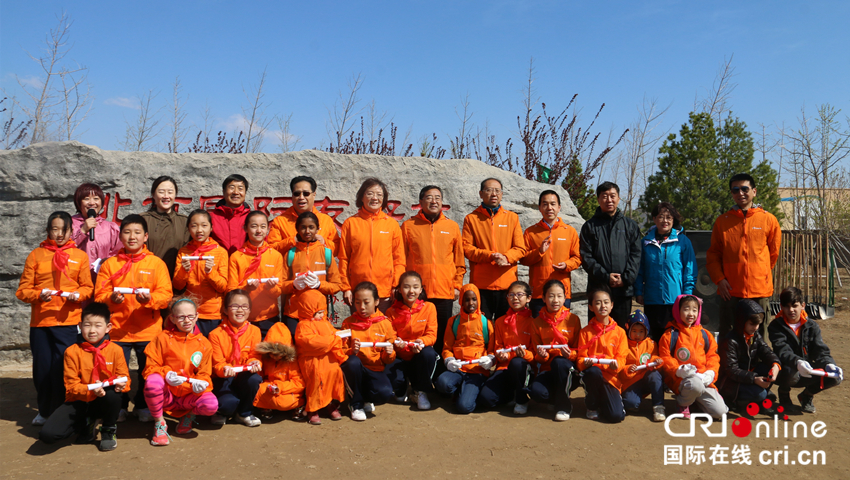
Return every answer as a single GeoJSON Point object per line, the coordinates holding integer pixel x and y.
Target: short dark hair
{"type": "Point", "coordinates": [251, 214]}
{"type": "Point", "coordinates": [234, 178]}
{"type": "Point", "coordinates": [554, 283]}
{"type": "Point", "coordinates": [367, 286]}
{"type": "Point", "coordinates": [488, 179]}
{"type": "Point", "coordinates": [686, 299]}
{"type": "Point", "coordinates": [97, 309]}
{"type": "Point", "coordinates": [410, 273]}
{"type": "Point", "coordinates": [548, 192]}
{"type": "Point", "coordinates": [66, 220]}
{"type": "Point", "coordinates": [526, 287]}
{"type": "Point", "coordinates": [425, 190]}
{"type": "Point", "coordinates": [740, 177]}
{"type": "Point", "coordinates": [198, 211]}
{"type": "Point", "coordinates": [367, 184]}
{"type": "Point", "coordinates": [132, 219]}
{"type": "Point", "coordinates": [302, 178]}
{"type": "Point", "coordinates": [86, 190]}
{"type": "Point", "coordinates": [605, 186]}
{"type": "Point", "coordinates": [228, 298]}
{"type": "Point", "coordinates": [677, 217]}
{"type": "Point", "coordinates": [790, 296]}
{"type": "Point", "coordinates": [599, 288]}
{"type": "Point", "coordinates": [156, 183]}
{"type": "Point", "coordinates": [304, 216]}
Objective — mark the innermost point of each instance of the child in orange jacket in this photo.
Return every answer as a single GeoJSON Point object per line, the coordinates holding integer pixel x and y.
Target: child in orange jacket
{"type": "Point", "coordinates": [282, 387]}
{"type": "Point", "coordinates": [320, 353]}
{"type": "Point", "coordinates": [691, 362]}
{"type": "Point", "coordinates": [233, 345]}
{"type": "Point", "coordinates": [415, 322]}
{"type": "Point", "coordinates": [602, 339]}
{"type": "Point", "coordinates": [136, 320]}
{"type": "Point", "coordinates": [641, 375]}
{"type": "Point", "coordinates": [257, 268]}
{"type": "Point", "coordinates": [469, 337]}
{"type": "Point", "coordinates": [513, 371]}
{"type": "Point", "coordinates": [87, 364]}
{"type": "Point", "coordinates": [177, 375]}
{"type": "Point", "coordinates": [205, 279]}
{"type": "Point", "coordinates": [365, 378]}
{"type": "Point", "coordinates": [55, 281]}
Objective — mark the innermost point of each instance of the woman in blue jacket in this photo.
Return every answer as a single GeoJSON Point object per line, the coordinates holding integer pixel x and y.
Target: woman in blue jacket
{"type": "Point", "coordinates": [668, 268]}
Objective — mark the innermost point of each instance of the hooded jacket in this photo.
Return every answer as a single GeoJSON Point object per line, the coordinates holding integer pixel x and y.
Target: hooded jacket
{"type": "Point", "coordinates": [421, 326]}
{"type": "Point", "coordinates": [640, 353]}
{"type": "Point", "coordinates": [484, 234]}
{"type": "Point", "coordinates": [167, 233]}
{"type": "Point", "coordinates": [667, 269]}
{"type": "Point", "coordinates": [78, 370]}
{"type": "Point", "coordinates": [222, 347]}
{"type": "Point", "coordinates": [282, 373]}
{"type": "Point", "coordinates": [603, 341]}
{"type": "Point", "coordinates": [228, 225]}
{"type": "Point", "coordinates": [263, 296]}
{"type": "Point", "coordinates": [282, 232]}
{"type": "Point", "coordinates": [807, 344]}
{"type": "Point", "coordinates": [381, 330]}
{"type": "Point", "coordinates": [469, 342]}
{"type": "Point", "coordinates": [209, 288]}
{"type": "Point", "coordinates": [610, 245]}
{"type": "Point", "coordinates": [371, 250]}
{"type": "Point", "coordinates": [107, 240]}
{"type": "Point", "coordinates": [744, 250]}
{"type": "Point", "coordinates": [435, 252]}
{"type": "Point", "coordinates": [188, 354]}
{"type": "Point", "coordinates": [690, 348]}
{"type": "Point", "coordinates": [564, 247]}
{"type": "Point", "coordinates": [308, 257]}
{"type": "Point", "coordinates": [741, 353]}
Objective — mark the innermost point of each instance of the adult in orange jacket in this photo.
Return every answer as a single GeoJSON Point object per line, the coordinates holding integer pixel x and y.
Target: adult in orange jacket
{"type": "Point", "coordinates": [602, 339]}
{"type": "Point", "coordinates": [93, 360]}
{"type": "Point", "coordinates": [136, 316]}
{"type": "Point", "coordinates": [283, 231]}
{"type": "Point", "coordinates": [434, 249]}
{"type": "Point", "coordinates": [370, 245]}
{"type": "Point", "coordinates": [258, 269]}
{"type": "Point", "coordinates": [320, 353]}
{"type": "Point", "coordinates": [55, 266]}
{"type": "Point", "coordinates": [205, 278]}
{"type": "Point", "coordinates": [691, 362]}
{"type": "Point", "coordinates": [744, 248]}
{"type": "Point", "coordinates": [469, 337]}
{"type": "Point", "coordinates": [643, 354]}
{"type": "Point", "coordinates": [493, 244]}
{"type": "Point", "coordinates": [552, 250]}
{"type": "Point", "coordinates": [282, 387]}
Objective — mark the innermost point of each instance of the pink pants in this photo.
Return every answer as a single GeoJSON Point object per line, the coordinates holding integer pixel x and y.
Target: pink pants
{"type": "Point", "coordinates": [160, 398]}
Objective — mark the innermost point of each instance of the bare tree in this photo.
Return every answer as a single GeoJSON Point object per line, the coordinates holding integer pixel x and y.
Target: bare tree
{"type": "Point", "coordinates": [145, 128]}
{"type": "Point", "coordinates": [287, 142]}
{"type": "Point", "coordinates": [376, 121]}
{"type": "Point", "coordinates": [460, 145]}
{"type": "Point", "coordinates": [716, 100]}
{"type": "Point", "coordinates": [255, 115]}
{"type": "Point", "coordinates": [341, 117]}
{"type": "Point", "coordinates": [637, 159]}
{"type": "Point", "coordinates": [14, 132]}
{"type": "Point", "coordinates": [177, 117]}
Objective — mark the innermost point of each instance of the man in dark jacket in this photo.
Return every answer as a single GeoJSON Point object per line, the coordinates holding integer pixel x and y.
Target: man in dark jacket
{"type": "Point", "coordinates": [747, 365]}
{"type": "Point", "coordinates": [610, 251]}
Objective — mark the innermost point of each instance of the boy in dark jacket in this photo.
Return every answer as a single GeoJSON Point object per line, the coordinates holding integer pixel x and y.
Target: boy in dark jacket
{"type": "Point", "coordinates": [747, 365]}
{"type": "Point", "coordinates": [798, 343]}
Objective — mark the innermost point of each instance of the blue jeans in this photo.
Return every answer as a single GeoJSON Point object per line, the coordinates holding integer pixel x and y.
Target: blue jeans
{"type": "Point", "coordinates": [555, 385]}
{"type": "Point", "coordinates": [601, 396]}
{"type": "Point", "coordinates": [418, 371]}
{"type": "Point", "coordinates": [365, 385]}
{"type": "Point", "coordinates": [48, 345]}
{"type": "Point", "coordinates": [139, 399]}
{"type": "Point", "coordinates": [506, 385]}
{"type": "Point", "coordinates": [236, 394]}
{"type": "Point", "coordinates": [469, 385]}
{"type": "Point", "coordinates": [651, 384]}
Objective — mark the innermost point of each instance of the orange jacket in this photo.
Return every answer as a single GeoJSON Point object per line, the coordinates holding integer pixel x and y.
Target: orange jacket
{"type": "Point", "coordinates": [381, 330]}
{"type": "Point", "coordinates": [469, 342]}
{"type": "Point", "coordinates": [308, 257]}
{"type": "Point", "coordinates": [279, 333]}
{"type": "Point", "coordinates": [40, 274]}
{"type": "Point", "coordinates": [422, 326]}
{"type": "Point", "coordinates": [505, 337]}
{"type": "Point", "coordinates": [208, 287]}
{"type": "Point", "coordinates": [282, 231]}
{"type": "Point", "coordinates": [743, 251]}
{"type": "Point", "coordinates": [131, 320]}
{"type": "Point", "coordinates": [541, 334]}
{"type": "Point", "coordinates": [640, 353]}
{"type": "Point", "coordinates": [611, 343]}
{"type": "Point", "coordinates": [320, 353]}
{"type": "Point", "coordinates": [188, 354]}
{"type": "Point", "coordinates": [563, 247]}
{"type": "Point", "coordinates": [484, 234]}
{"type": "Point", "coordinates": [435, 252]}
{"type": "Point", "coordinates": [286, 376]}
{"type": "Point", "coordinates": [78, 370]}
{"type": "Point", "coordinates": [690, 349]}
{"type": "Point", "coordinates": [222, 347]}
{"type": "Point", "coordinates": [371, 250]}
{"type": "Point", "coordinates": [263, 297]}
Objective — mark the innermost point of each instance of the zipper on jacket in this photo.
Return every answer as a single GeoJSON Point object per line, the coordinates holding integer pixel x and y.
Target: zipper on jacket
{"type": "Point", "coordinates": [433, 251]}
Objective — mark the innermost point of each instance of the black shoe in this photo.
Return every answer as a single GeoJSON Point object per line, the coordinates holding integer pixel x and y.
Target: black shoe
{"type": "Point", "coordinates": [806, 403]}
{"type": "Point", "coordinates": [108, 439]}
{"type": "Point", "coordinates": [89, 435]}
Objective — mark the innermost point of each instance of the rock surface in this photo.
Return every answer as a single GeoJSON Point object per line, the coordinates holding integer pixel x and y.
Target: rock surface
{"type": "Point", "coordinates": [42, 178]}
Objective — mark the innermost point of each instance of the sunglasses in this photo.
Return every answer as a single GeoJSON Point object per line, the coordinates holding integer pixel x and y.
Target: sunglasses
{"type": "Point", "coordinates": [737, 190]}
{"type": "Point", "coordinates": [304, 193]}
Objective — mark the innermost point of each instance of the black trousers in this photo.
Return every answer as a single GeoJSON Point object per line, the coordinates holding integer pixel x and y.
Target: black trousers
{"type": "Point", "coordinates": [494, 303]}
{"type": "Point", "coordinates": [207, 326]}
{"type": "Point", "coordinates": [72, 417]}
{"type": "Point", "coordinates": [236, 394]}
{"type": "Point", "coordinates": [417, 371]}
{"type": "Point", "coordinates": [139, 399]}
{"type": "Point", "coordinates": [601, 396]}
{"type": "Point", "coordinates": [659, 316]}
{"type": "Point", "coordinates": [48, 345]}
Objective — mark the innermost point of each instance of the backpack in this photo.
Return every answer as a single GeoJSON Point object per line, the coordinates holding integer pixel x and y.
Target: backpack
{"type": "Point", "coordinates": [485, 330]}
{"type": "Point", "coordinates": [290, 257]}
{"type": "Point", "coordinates": [674, 338]}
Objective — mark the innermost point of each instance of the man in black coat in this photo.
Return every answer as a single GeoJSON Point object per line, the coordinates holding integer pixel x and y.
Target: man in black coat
{"type": "Point", "coordinates": [610, 246]}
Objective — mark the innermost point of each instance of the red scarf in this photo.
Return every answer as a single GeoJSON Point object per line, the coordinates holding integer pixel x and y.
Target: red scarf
{"type": "Point", "coordinates": [403, 314]}
{"type": "Point", "coordinates": [249, 249]}
{"type": "Point", "coordinates": [510, 318]}
{"type": "Point", "coordinates": [99, 361]}
{"type": "Point", "coordinates": [554, 321]}
{"type": "Point", "coordinates": [128, 260]}
{"type": "Point", "coordinates": [235, 355]}
{"type": "Point", "coordinates": [364, 322]}
{"type": "Point", "coordinates": [60, 256]}
{"type": "Point", "coordinates": [600, 330]}
{"type": "Point", "coordinates": [201, 249]}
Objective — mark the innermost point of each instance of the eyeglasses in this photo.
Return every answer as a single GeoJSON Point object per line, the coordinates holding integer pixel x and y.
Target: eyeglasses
{"type": "Point", "coordinates": [516, 295]}
{"type": "Point", "coordinates": [432, 198]}
{"type": "Point", "coordinates": [303, 193]}
{"type": "Point", "coordinates": [236, 308]}
{"type": "Point", "coordinates": [488, 191]}
{"type": "Point", "coordinates": [374, 195]}
{"type": "Point", "coordinates": [737, 190]}
{"type": "Point", "coordinates": [183, 318]}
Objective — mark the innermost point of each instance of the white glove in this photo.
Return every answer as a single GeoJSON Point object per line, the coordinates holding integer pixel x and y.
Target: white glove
{"type": "Point", "coordinates": [399, 343]}
{"type": "Point", "coordinates": [486, 362]}
{"type": "Point", "coordinates": [173, 379]}
{"type": "Point", "coordinates": [804, 368]}
{"type": "Point", "coordinates": [300, 282]}
{"type": "Point", "coordinates": [708, 377]}
{"type": "Point", "coordinates": [835, 369]}
{"type": "Point", "coordinates": [685, 371]}
{"type": "Point", "coordinates": [198, 386]}
{"type": "Point", "coordinates": [452, 364]}
{"type": "Point", "coordinates": [312, 280]}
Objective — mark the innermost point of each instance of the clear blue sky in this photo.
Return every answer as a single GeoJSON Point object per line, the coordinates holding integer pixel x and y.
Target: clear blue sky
{"type": "Point", "coordinates": [418, 58]}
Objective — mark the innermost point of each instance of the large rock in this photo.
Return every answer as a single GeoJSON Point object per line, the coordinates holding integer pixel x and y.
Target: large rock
{"type": "Point", "coordinates": [42, 178]}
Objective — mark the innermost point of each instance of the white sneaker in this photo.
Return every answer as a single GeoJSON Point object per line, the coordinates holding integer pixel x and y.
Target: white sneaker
{"type": "Point", "coordinates": [122, 415]}
{"type": "Point", "coordinates": [562, 416]}
{"type": "Point", "coordinates": [520, 409]}
{"type": "Point", "coordinates": [369, 407]}
{"type": "Point", "coordinates": [402, 399]}
{"type": "Point", "coordinates": [593, 414]}
{"type": "Point", "coordinates": [422, 402]}
{"type": "Point", "coordinates": [144, 415]}
{"type": "Point", "coordinates": [249, 421]}
{"type": "Point", "coordinates": [218, 419]}
{"type": "Point", "coordinates": [39, 420]}
{"type": "Point", "coordinates": [358, 415]}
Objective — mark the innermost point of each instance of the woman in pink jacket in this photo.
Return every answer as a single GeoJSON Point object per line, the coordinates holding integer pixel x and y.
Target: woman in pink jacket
{"type": "Point", "coordinates": [90, 197]}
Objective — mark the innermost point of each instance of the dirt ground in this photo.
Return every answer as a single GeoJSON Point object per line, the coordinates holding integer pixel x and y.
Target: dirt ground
{"type": "Point", "coordinates": [403, 442]}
